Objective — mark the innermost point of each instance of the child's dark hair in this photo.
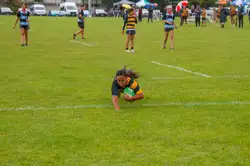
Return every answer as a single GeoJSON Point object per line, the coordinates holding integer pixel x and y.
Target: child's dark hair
{"type": "Point", "coordinates": [126, 72]}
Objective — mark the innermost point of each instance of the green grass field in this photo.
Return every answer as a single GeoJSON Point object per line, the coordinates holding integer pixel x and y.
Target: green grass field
{"type": "Point", "coordinates": [55, 99]}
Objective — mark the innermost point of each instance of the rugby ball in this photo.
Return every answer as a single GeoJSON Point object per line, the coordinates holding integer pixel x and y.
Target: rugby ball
{"type": "Point", "coordinates": [128, 91]}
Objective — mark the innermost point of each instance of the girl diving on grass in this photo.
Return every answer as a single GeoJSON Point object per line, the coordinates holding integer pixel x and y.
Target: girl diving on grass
{"type": "Point", "coordinates": [125, 79]}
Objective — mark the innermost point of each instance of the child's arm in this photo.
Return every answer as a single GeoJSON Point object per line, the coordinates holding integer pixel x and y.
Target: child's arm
{"type": "Point", "coordinates": [14, 26]}
{"type": "Point", "coordinates": [125, 22]}
{"type": "Point", "coordinates": [115, 102]}
{"type": "Point", "coordinates": [136, 97]}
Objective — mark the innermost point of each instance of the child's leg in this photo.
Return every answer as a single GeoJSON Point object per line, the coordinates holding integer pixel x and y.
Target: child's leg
{"type": "Point", "coordinates": [22, 35]}
{"type": "Point", "coordinates": [78, 32]}
{"type": "Point", "coordinates": [127, 41]}
{"type": "Point", "coordinates": [165, 39]}
{"type": "Point", "coordinates": [132, 42]}
{"type": "Point", "coordinates": [172, 39]}
{"type": "Point", "coordinates": [82, 33]}
{"type": "Point", "coordinates": [26, 36]}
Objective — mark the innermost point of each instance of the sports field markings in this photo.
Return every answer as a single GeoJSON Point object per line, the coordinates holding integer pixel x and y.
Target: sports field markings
{"type": "Point", "coordinates": [184, 104]}
{"type": "Point", "coordinates": [181, 69]}
{"type": "Point", "coordinates": [83, 43]}
{"type": "Point", "coordinates": [197, 77]}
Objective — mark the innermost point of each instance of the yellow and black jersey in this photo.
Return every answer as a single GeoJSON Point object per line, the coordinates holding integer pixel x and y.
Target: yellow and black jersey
{"type": "Point", "coordinates": [116, 89]}
{"type": "Point", "coordinates": [203, 13]}
{"type": "Point", "coordinates": [185, 13]}
{"type": "Point", "coordinates": [233, 11]}
{"type": "Point", "coordinates": [218, 12]}
{"type": "Point", "coordinates": [130, 23]}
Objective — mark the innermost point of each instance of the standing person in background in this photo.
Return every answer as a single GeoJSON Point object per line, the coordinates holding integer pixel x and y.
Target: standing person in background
{"type": "Point", "coordinates": [197, 12]}
{"type": "Point", "coordinates": [150, 13]}
{"type": "Point", "coordinates": [249, 15]}
{"type": "Point", "coordinates": [80, 23]}
{"type": "Point", "coordinates": [204, 17]}
{"type": "Point", "coordinates": [218, 14]}
{"type": "Point", "coordinates": [130, 23]}
{"type": "Point", "coordinates": [181, 11]}
{"type": "Point", "coordinates": [240, 15]}
{"type": "Point", "coordinates": [169, 26]}
{"type": "Point", "coordinates": [140, 15]}
{"type": "Point", "coordinates": [23, 17]}
{"type": "Point", "coordinates": [184, 16]}
{"type": "Point", "coordinates": [223, 17]}
{"type": "Point", "coordinates": [233, 14]}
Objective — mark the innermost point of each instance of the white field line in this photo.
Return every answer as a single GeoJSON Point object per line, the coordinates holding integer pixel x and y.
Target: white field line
{"type": "Point", "coordinates": [197, 77]}
{"type": "Point", "coordinates": [83, 43]}
{"type": "Point", "coordinates": [187, 104]}
{"type": "Point", "coordinates": [181, 69]}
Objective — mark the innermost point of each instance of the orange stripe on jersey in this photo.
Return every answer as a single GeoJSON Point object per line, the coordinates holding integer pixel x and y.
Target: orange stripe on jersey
{"type": "Point", "coordinates": [134, 85]}
{"type": "Point", "coordinates": [139, 92]}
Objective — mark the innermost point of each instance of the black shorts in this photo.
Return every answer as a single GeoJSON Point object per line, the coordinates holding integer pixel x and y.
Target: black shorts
{"type": "Point", "coordinates": [203, 18]}
{"type": "Point", "coordinates": [130, 32]}
{"type": "Point", "coordinates": [168, 29]}
{"type": "Point", "coordinates": [184, 17]}
{"type": "Point", "coordinates": [25, 26]}
{"type": "Point", "coordinates": [81, 25]}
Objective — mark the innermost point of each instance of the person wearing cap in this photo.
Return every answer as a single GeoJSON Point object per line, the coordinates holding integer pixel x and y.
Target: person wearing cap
{"type": "Point", "coordinates": [80, 22]}
{"type": "Point", "coordinates": [130, 23]}
{"type": "Point", "coordinates": [169, 26]}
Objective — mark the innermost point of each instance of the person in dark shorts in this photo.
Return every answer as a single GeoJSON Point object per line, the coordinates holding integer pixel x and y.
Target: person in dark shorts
{"type": "Point", "coordinates": [223, 16]}
{"type": "Point", "coordinates": [240, 15]}
{"type": "Point", "coordinates": [81, 22]}
{"type": "Point", "coordinates": [130, 23]}
{"type": "Point", "coordinates": [125, 78]}
{"type": "Point", "coordinates": [150, 14]}
{"type": "Point", "coordinates": [197, 12]}
{"type": "Point", "coordinates": [204, 17]}
{"type": "Point", "coordinates": [23, 17]}
{"type": "Point", "coordinates": [169, 26]}
{"type": "Point", "coordinates": [184, 15]}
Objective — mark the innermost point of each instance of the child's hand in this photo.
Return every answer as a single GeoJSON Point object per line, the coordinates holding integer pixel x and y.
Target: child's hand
{"type": "Point", "coordinates": [122, 31]}
{"type": "Point", "coordinates": [127, 98]}
{"type": "Point", "coordinates": [14, 27]}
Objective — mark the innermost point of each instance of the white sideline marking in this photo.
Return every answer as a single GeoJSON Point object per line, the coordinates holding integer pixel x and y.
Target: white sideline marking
{"type": "Point", "coordinates": [86, 44]}
{"type": "Point", "coordinates": [190, 104]}
{"type": "Point", "coordinates": [197, 77]}
{"type": "Point", "coordinates": [182, 69]}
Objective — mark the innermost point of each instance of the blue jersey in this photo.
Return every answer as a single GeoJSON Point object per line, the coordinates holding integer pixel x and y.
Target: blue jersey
{"type": "Point", "coordinates": [23, 16]}
{"type": "Point", "coordinates": [81, 19]}
{"type": "Point", "coordinates": [170, 18]}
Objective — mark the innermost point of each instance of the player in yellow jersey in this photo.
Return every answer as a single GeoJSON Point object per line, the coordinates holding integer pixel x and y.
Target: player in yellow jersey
{"type": "Point", "coordinates": [125, 78]}
{"type": "Point", "coordinates": [204, 17]}
{"type": "Point", "coordinates": [184, 16]}
{"type": "Point", "coordinates": [129, 23]}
